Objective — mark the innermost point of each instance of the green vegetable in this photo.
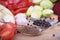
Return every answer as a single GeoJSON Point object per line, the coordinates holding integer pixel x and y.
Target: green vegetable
{"type": "Point", "coordinates": [37, 12]}
{"type": "Point", "coordinates": [37, 1]}
{"type": "Point", "coordinates": [46, 4]}
{"type": "Point", "coordinates": [47, 12]}
{"type": "Point", "coordinates": [29, 11]}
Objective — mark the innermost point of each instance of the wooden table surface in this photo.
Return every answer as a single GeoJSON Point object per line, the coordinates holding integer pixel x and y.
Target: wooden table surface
{"type": "Point", "coordinates": [46, 35]}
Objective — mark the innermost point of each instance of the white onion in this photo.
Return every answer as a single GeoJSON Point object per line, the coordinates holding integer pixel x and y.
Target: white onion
{"type": "Point", "coordinates": [21, 19]}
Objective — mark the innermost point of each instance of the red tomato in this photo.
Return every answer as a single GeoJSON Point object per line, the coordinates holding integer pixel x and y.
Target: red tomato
{"type": "Point", "coordinates": [9, 25]}
{"type": "Point", "coordinates": [7, 34]}
{"type": "Point", "coordinates": [8, 31]}
{"type": "Point", "coordinates": [0, 29]}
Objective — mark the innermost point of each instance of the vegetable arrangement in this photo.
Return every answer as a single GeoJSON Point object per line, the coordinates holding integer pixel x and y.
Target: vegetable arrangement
{"type": "Point", "coordinates": [25, 14]}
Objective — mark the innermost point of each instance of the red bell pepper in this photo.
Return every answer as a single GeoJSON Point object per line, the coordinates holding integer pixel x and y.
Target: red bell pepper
{"type": "Point", "coordinates": [18, 5]}
{"type": "Point", "coordinates": [19, 10]}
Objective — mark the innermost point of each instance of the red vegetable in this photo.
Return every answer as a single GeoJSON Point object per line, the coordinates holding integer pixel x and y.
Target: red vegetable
{"type": "Point", "coordinates": [7, 34]}
{"type": "Point", "coordinates": [9, 25]}
{"type": "Point", "coordinates": [56, 9]}
{"type": "Point", "coordinates": [19, 10]}
{"type": "Point", "coordinates": [8, 31]}
{"type": "Point", "coordinates": [0, 30]}
{"type": "Point", "coordinates": [59, 17]}
{"type": "Point", "coordinates": [16, 4]}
